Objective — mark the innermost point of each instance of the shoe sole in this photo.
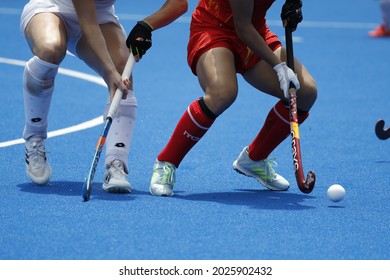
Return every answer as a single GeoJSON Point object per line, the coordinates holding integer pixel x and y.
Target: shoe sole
{"type": "Point", "coordinates": [240, 170]}
{"type": "Point", "coordinates": [116, 189]}
{"type": "Point", "coordinates": [37, 180]}
{"type": "Point", "coordinates": [160, 193]}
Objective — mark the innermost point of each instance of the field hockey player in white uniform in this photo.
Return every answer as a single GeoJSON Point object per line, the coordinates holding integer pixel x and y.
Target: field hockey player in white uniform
{"type": "Point", "coordinates": [90, 30]}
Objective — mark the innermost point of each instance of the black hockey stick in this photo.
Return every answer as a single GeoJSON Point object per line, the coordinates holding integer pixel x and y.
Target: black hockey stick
{"type": "Point", "coordinates": [380, 130]}
{"type": "Point", "coordinates": [305, 185]}
{"type": "Point", "coordinates": [110, 115]}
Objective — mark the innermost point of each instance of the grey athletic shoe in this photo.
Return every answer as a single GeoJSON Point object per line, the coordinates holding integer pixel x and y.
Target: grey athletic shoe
{"type": "Point", "coordinates": [261, 170]}
{"type": "Point", "coordinates": [37, 167]}
{"type": "Point", "coordinates": [115, 178]}
{"type": "Point", "coordinates": [163, 179]}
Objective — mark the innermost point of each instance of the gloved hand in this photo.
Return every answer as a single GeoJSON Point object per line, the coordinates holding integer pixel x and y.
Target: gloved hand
{"type": "Point", "coordinates": [286, 75]}
{"type": "Point", "coordinates": [140, 39]}
{"type": "Point", "coordinates": [292, 13]}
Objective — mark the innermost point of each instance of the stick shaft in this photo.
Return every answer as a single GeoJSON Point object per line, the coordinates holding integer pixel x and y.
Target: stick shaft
{"type": "Point", "coordinates": [305, 185]}
{"type": "Point", "coordinates": [87, 187]}
{"type": "Point", "coordinates": [118, 94]}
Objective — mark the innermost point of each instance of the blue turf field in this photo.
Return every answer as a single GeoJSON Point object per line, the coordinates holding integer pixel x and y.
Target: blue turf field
{"type": "Point", "coordinates": [216, 214]}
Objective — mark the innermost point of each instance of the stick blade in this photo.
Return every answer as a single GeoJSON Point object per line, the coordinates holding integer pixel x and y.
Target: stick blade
{"type": "Point", "coordinates": [380, 130]}
{"type": "Point", "coordinates": [308, 185]}
{"type": "Point", "coordinates": [87, 189]}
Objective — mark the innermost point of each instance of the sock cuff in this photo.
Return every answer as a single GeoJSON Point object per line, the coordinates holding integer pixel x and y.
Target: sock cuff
{"type": "Point", "coordinates": [302, 116]}
{"type": "Point", "coordinates": [282, 112]}
{"type": "Point", "coordinates": [206, 110]}
{"type": "Point", "coordinates": [198, 116]}
{"type": "Point", "coordinates": [281, 109]}
{"type": "Point", "coordinates": [40, 69]}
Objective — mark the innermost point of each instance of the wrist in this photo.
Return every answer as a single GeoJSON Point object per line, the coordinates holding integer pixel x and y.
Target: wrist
{"type": "Point", "coordinates": [279, 66]}
{"type": "Point", "coordinates": [146, 25]}
{"type": "Point", "coordinates": [108, 72]}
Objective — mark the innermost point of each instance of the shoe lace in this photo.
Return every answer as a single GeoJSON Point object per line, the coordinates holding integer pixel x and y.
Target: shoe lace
{"type": "Point", "coordinates": [35, 152]}
{"type": "Point", "coordinates": [166, 173]}
{"type": "Point", "coordinates": [268, 168]}
{"type": "Point", "coordinates": [118, 168]}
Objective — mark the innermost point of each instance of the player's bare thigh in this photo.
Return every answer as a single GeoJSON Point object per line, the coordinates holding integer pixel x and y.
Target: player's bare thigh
{"type": "Point", "coordinates": [217, 77]}
{"type": "Point", "coordinates": [264, 78]}
{"type": "Point", "coordinates": [116, 46]}
{"type": "Point", "coordinates": [47, 38]}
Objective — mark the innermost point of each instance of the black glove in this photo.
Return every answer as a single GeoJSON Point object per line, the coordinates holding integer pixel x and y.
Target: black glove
{"type": "Point", "coordinates": [140, 39]}
{"type": "Point", "coordinates": [291, 14]}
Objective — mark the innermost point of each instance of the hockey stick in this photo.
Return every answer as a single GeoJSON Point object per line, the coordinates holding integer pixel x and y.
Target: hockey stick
{"type": "Point", "coordinates": [110, 115]}
{"type": "Point", "coordinates": [305, 186]}
{"type": "Point", "coordinates": [380, 130]}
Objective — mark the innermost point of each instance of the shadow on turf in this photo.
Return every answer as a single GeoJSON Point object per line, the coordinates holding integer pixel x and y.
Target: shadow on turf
{"type": "Point", "coordinates": [261, 199]}
{"type": "Point", "coordinates": [66, 188]}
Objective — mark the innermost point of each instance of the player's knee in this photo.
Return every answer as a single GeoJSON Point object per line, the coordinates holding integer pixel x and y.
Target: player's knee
{"type": "Point", "coordinates": [307, 94]}
{"type": "Point", "coordinates": [220, 98]}
{"type": "Point", "coordinates": [52, 51]}
{"type": "Point", "coordinates": [311, 91]}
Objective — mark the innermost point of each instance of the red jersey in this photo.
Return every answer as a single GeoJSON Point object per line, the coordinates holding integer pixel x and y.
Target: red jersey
{"type": "Point", "coordinates": [212, 26]}
{"type": "Point", "coordinates": [219, 13]}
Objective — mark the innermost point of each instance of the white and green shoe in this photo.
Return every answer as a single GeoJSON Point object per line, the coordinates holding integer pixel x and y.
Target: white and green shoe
{"type": "Point", "coordinates": [261, 170]}
{"type": "Point", "coordinates": [163, 179]}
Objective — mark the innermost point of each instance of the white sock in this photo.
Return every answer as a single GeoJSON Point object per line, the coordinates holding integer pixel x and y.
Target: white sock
{"type": "Point", "coordinates": [38, 86]}
{"type": "Point", "coordinates": [121, 131]}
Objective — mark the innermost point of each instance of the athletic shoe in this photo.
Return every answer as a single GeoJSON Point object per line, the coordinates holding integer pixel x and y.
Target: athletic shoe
{"type": "Point", "coordinates": [37, 167]}
{"type": "Point", "coordinates": [163, 179]}
{"type": "Point", "coordinates": [115, 180]}
{"type": "Point", "coordinates": [380, 31]}
{"type": "Point", "coordinates": [261, 170]}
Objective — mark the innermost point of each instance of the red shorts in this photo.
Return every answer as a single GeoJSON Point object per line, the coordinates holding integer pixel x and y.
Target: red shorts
{"type": "Point", "coordinates": [202, 39]}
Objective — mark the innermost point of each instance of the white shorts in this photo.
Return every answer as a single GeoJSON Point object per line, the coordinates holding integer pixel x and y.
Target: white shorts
{"type": "Point", "coordinates": [68, 15]}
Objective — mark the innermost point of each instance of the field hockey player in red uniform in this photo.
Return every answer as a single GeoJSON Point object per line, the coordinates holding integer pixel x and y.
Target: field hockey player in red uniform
{"type": "Point", "coordinates": [229, 38]}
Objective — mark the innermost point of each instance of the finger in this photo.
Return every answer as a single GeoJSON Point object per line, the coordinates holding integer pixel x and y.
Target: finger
{"type": "Point", "coordinates": [127, 83]}
{"type": "Point", "coordinates": [125, 90]}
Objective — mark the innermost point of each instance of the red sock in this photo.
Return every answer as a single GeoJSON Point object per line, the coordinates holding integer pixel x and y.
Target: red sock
{"type": "Point", "coordinates": [190, 129]}
{"type": "Point", "coordinates": [276, 128]}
